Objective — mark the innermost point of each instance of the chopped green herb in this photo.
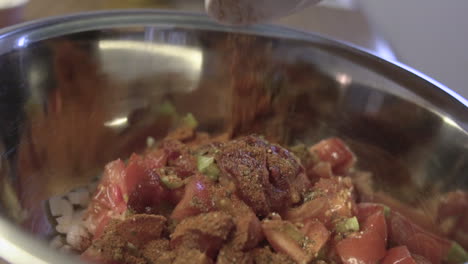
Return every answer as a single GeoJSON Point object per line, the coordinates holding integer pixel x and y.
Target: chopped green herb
{"type": "Point", "coordinates": [190, 121]}
{"type": "Point", "coordinates": [456, 254]}
{"type": "Point", "coordinates": [150, 142]}
{"type": "Point", "coordinates": [167, 108]}
{"type": "Point", "coordinates": [172, 181]}
{"type": "Point", "coordinates": [131, 246]}
{"type": "Point", "coordinates": [312, 195]}
{"type": "Point", "coordinates": [212, 172]}
{"type": "Point", "coordinates": [386, 211]}
{"type": "Point", "coordinates": [207, 166]}
{"type": "Point", "coordinates": [204, 162]}
{"type": "Point", "coordinates": [347, 225]}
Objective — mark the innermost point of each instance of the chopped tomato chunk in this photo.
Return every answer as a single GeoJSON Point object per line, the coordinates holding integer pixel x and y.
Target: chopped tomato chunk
{"type": "Point", "coordinates": [135, 186]}
{"type": "Point", "coordinates": [453, 215]}
{"type": "Point", "coordinates": [197, 198]}
{"type": "Point", "coordinates": [398, 255]}
{"type": "Point", "coordinates": [317, 233]}
{"type": "Point", "coordinates": [135, 173]}
{"type": "Point", "coordinates": [334, 151]}
{"type": "Point", "coordinates": [376, 223]}
{"type": "Point", "coordinates": [322, 170]}
{"type": "Point", "coordinates": [108, 201]}
{"type": "Point", "coordinates": [418, 240]}
{"type": "Point", "coordinates": [155, 159]}
{"type": "Point", "coordinates": [416, 215]}
{"type": "Point", "coordinates": [367, 246]}
{"type": "Point", "coordinates": [365, 210]}
{"type": "Point", "coordinates": [420, 259]}
{"type": "Point", "coordinates": [301, 245]}
{"type": "Point", "coordinates": [257, 194]}
{"type": "Point", "coordinates": [314, 209]}
{"type": "Point", "coordinates": [333, 200]}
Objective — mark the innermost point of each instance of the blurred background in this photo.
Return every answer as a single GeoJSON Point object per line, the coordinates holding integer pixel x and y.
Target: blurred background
{"type": "Point", "coordinates": [428, 35]}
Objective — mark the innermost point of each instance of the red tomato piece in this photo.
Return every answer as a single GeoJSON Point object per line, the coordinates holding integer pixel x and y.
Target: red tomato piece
{"type": "Point", "coordinates": [317, 233]}
{"type": "Point", "coordinates": [135, 173]}
{"type": "Point", "coordinates": [102, 223]}
{"type": "Point", "coordinates": [398, 255]}
{"type": "Point", "coordinates": [178, 156]}
{"type": "Point", "coordinates": [377, 223]}
{"type": "Point", "coordinates": [367, 246]}
{"type": "Point", "coordinates": [417, 216]}
{"type": "Point", "coordinates": [248, 232]}
{"type": "Point", "coordinates": [196, 199]}
{"type": "Point", "coordinates": [362, 248]}
{"type": "Point", "coordinates": [365, 210]}
{"type": "Point", "coordinates": [176, 195]}
{"type": "Point", "coordinates": [145, 192]}
{"type": "Point", "coordinates": [323, 170]}
{"type": "Point", "coordinates": [418, 240]}
{"type": "Point", "coordinates": [108, 200]}
{"type": "Point", "coordinates": [314, 209]}
{"type": "Point", "coordinates": [420, 259]}
{"type": "Point", "coordinates": [453, 203]}
{"type": "Point", "coordinates": [334, 151]}
{"type": "Point", "coordinates": [426, 246]}
{"type": "Point", "coordinates": [454, 209]}
{"type": "Point", "coordinates": [334, 200]}
{"type": "Point", "coordinates": [110, 196]}
{"type": "Point", "coordinates": [114, 174]}
{"type": "Point", "coordinates": [300, 185]}
{"type": "Point", "coordinates": [135, 185]}
{"type": "Point", "coordinates": [149, 196]}
{"type": "Point", "coordinates": [155, 159]}
{"type": "Point", "coordinates": [286, 238]}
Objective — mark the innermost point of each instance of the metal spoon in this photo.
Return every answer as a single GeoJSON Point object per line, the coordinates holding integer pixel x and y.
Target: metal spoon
{"type": "Point", "coordinates": [244, 12]}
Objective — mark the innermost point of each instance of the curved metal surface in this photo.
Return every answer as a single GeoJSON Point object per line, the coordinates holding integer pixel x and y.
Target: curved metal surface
{"type": "Point", "coordinates": [20, 35]}
{"type": "Point", "coordinates": [78, 91]}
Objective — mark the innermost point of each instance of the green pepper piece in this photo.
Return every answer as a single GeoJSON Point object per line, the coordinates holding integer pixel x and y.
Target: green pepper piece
{"type": "Point", "coordinates": [347, 225]}
{"type": "Point", "coordinates": [456, 254]}
{"type": "Point", "coordinates": [190, 121]}
{"type": "Point", "coordinates": [172, 182]}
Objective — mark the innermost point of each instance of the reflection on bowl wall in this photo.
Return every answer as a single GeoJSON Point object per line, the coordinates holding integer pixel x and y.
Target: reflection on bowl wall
{"type": "Point", "coordinates": [79, 91]}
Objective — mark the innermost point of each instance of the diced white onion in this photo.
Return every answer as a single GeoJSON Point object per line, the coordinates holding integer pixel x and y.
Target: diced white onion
{"type": "Point", "coordinates": [150, 142]}
{"type": "Point", "coordinates": [64, 223]}
{"type": "Point", "coordinates": [60, 206]}
{"type": "Point", "coordinates": [76, 236]}
{"type": "Point", "coordinates": [79, 197]}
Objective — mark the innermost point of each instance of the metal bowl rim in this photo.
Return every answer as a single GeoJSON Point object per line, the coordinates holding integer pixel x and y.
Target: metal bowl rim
{"type": "Point", "coordinates": [199, 21]}
{"type": "Point", "coordinates": [30, 250]}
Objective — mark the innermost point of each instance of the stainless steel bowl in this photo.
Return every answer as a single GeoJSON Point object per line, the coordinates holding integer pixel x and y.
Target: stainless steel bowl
{"type": "Point", "coordinates": [78, 91]}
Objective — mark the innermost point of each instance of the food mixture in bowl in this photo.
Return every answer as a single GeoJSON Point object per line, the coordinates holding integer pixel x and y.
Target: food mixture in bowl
{"type": "Point", "coordinates": [197, 198]}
